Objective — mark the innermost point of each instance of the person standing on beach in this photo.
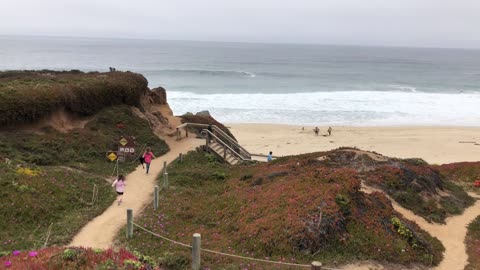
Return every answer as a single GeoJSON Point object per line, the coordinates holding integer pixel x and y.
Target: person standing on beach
{"type": "Point", "coordinates": [316, 130]}
{"type": "Point", "coordinates": [119, 185]}
{"type": "Point", "coordinates": [148, 156]}
{"type": "Point", "coordinates": [269, 157]}
{"type": "Point", "coordinates": [329, 131]}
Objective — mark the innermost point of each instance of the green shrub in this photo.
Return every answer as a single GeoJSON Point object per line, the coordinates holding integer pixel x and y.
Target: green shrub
{"type": "Point", "coordinates": [30, 95]}
{"type": "Point", "coordinates": [219, 175]}
{"type": "Point", "coordinates": [69, 254]}
{"type": "Point", "coordinates": [173, 261]}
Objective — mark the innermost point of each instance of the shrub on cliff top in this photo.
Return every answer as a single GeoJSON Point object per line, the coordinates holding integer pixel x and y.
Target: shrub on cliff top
{"type": "Point", "coordinates": [27, 96]}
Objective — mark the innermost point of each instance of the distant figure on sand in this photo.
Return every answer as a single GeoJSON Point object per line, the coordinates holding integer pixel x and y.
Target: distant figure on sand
{"type": "Point", "coordinates": [329, 131]}
{"type": "Point", "coordinates": [148, 156]}
{"type": "Point", "coordinates": [119, 185]}
{"type": "Point", "coordinates": [316, 130]}
{"type": "Point", "coordinates": [269, 157]}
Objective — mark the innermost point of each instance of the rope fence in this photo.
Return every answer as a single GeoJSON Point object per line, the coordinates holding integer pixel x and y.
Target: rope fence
{"type": "Point", "coordinates": [314, 265]}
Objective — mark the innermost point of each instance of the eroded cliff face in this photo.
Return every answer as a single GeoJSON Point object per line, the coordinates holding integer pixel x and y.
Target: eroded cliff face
{"type": "Point", "coordinates": [157, 96]}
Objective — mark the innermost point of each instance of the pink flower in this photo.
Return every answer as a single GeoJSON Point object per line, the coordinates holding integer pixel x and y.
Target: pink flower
{"type": "Point", "coordinates": [32, 253]}
{"type": "Point", "coordinates": [16, 253]}
{"type": "Point", "coordinates": [8, 263]}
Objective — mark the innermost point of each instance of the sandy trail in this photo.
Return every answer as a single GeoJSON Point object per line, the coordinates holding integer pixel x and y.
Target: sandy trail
{"type": "Point", "coordinates": [101, 231]}
{"type": "Point", "coordinates": [452, 235]}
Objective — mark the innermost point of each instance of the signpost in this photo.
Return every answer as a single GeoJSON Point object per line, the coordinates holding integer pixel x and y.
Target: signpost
{"type": "Point", "coordinates": [126, 148]}
{"type": "Point", "coordinates": [111, 155]}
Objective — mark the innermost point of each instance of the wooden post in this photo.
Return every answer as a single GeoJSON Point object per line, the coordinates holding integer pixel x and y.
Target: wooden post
{"type": "Point", "coordinates": [316, 266]}
{"type": "Point", "coordinates": [178, 134]}
{"type": "Point", "coordinates": [165, 180]}
{"type": "Point", "coordinates": [129, 223]}
{"type": "Point", "coordinates": [208, 139]}
{"type": "Point", "coordinates": [196, 246]}
{"type": "Point", "coordinates": [225, 153]}
{"type": "Point", "coordinates": [164, 167]}
{"type": "Point", "coordinates": [155, 198]}
{"type": "Point", "coordinates": [180, 157]}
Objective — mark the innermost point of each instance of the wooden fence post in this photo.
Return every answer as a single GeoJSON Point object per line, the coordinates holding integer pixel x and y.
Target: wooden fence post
{"type": "Point", "coordinates": [196, 246]}
{"type": "Point", "coordinates": [129, 223]}
{"type": "Point", "coordinates": [164, 167]}
{"type": "Point", "coordinates": [316, 266]}
{"type": "Point", "coordinates": [155, 198]}
{"type": "Point", "coordinates": [180, 157]}
{"type": "Point", "coordinates": [165, 180]}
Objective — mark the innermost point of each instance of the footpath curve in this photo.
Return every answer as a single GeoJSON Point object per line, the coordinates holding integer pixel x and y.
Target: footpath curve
{"type": "Point", "coordinates": [101, 231]}
{"type": "Point", "coordinates": [452, 235]}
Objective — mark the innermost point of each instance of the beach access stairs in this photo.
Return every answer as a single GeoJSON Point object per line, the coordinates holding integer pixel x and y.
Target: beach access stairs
{"type": "Point", "coordinates": [218, 142]}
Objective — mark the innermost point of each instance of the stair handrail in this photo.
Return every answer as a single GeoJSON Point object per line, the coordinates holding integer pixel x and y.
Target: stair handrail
{"type": "Point", "coordinates": [207, 132]}
{"type": "Point", "coordinates": [246, 154]}
{"type": "Point", "coordinates": [231, 140]}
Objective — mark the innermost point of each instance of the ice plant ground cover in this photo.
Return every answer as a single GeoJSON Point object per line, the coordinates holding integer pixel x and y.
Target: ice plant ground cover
{"type": "Point", "coordinates": [50, 179]}
{"type": "Point", "coordinates": [53, 199]}
{"type": "Point", "coordinates": [295, 209]}
{"type": "Point", "coordinates": [473, 245]}
{"type": "Point", "coordinates": [56, 258]}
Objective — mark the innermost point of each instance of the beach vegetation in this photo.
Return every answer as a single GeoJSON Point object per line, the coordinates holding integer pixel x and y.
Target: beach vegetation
{"type": "Point", "coordinates": [57, 258]}
{"type": "Point", "coordinates": [302, 210]}
{"type": "Point", "coordinates": [49, 177]}
{"type": "Point", "coordinates": [472, 241]}
{"type": "Point", "coordinates": [47, 208]}
{"type": "Point", "coordinates": [28, 96]}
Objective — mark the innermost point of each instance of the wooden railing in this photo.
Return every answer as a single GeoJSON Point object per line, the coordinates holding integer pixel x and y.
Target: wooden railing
{"type": "Point", "coordinates": [220, 135]}
{"type": "Point", "coordinates": [226, 148]}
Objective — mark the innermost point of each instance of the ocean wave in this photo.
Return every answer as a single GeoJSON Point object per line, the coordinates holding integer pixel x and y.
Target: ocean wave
{"type": "Point", "coordinates": [403, 88]}
{"type": "Point", "coordinates": [352, 108]}
{"type": "Point", "coordinates": [207, 72]}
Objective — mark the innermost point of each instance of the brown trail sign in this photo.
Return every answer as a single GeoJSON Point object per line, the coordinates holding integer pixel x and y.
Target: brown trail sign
{"type": "Point", "coordinates": [126, 148]}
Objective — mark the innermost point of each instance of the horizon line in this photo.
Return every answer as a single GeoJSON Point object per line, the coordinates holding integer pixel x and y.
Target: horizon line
{"type": "Point", "coordinates": [242, 42]}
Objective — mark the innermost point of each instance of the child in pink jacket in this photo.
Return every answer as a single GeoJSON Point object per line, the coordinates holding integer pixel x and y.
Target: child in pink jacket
{"type": "Point", "coordinates": [119, 185]}
{"type": "Point", "coordinates": [148, 156]}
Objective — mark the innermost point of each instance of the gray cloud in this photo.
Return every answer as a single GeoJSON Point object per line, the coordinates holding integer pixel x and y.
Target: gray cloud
{"type": "Point", "coordinates": [433, 23]}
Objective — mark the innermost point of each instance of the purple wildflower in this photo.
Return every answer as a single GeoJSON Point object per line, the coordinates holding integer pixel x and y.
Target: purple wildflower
{"type": "Point", "coordinates": [16, 253]}
{"type": "Point", "coordinates": [32, 253]}
{"type": "Point", "coordinates": [8, 263]}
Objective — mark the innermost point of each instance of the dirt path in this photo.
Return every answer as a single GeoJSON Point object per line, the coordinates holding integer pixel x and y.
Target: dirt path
{"type": "Point", "coordinates": [101, 231]}
{"type": "Point", "coordinates": [452, 235]}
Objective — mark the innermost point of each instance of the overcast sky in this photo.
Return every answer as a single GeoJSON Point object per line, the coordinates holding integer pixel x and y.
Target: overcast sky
{"type": "Point", "coordinates": [425, 23]}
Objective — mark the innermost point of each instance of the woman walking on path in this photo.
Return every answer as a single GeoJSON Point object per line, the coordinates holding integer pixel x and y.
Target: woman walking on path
{"type": "Point", "coordinates": [119, 185]}
{"type": "Point", "coordinates": [148, 155]}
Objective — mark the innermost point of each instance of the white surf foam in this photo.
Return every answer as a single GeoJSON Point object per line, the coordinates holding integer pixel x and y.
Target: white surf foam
{"type": "Point", "coordinates": [354, 108]}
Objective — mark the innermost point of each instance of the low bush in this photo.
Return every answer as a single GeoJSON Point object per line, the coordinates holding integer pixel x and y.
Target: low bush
{"type": "Point", "coordinates": [27, 96]}
{"type": "Point", "coordinates": [56, 258]}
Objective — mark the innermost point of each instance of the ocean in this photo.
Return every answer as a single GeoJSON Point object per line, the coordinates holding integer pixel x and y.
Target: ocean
{"type": "Point", "coordinates": [279, 83]}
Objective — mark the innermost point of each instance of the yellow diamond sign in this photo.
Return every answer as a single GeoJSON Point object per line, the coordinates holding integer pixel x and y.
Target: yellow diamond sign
{"type": "Point", "coordinates": [112, 156]}
{"type": "Point", "coordinates": [123, 141]}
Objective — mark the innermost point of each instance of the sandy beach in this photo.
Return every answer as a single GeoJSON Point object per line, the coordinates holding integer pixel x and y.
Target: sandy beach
{"type": "Point", "coordinates": [436, 145]}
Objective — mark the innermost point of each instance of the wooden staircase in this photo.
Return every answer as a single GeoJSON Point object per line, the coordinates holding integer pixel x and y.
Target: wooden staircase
{"type": "Point", "coordinates": [219, 143]}
{"type": "Point", "coordinates": [219, 150]}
